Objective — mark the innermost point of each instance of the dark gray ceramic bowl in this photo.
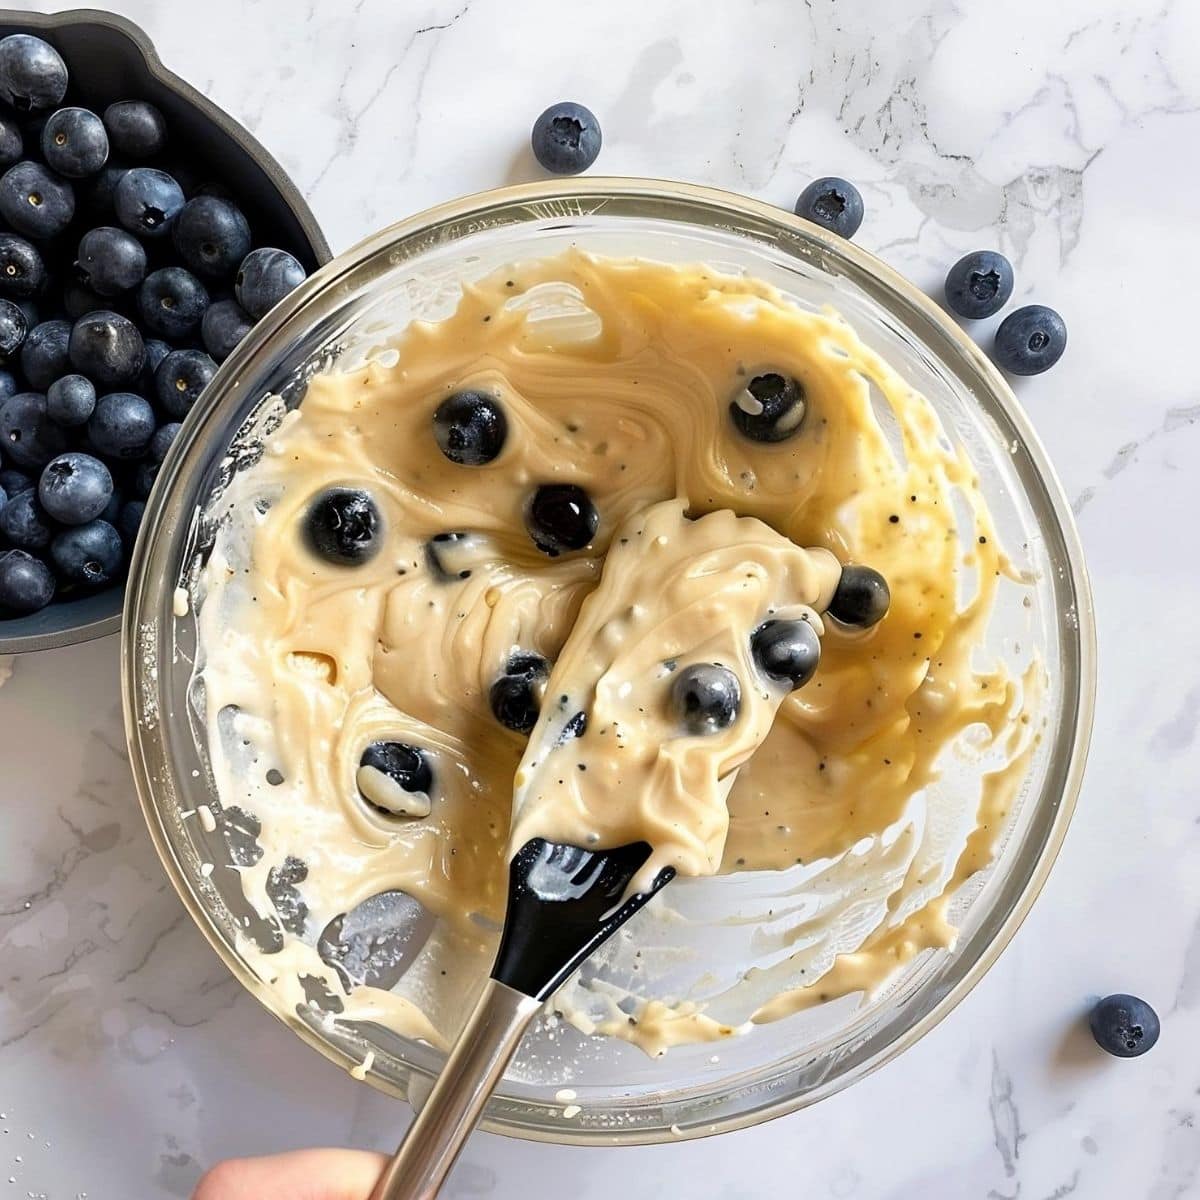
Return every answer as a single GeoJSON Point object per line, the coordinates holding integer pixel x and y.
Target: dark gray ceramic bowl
{"type": "Point", "coordinates": [110, 59]}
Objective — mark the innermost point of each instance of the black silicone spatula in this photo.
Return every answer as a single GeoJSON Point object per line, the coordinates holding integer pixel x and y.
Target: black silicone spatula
{"type": "Point", "coordinates": [563, 903]}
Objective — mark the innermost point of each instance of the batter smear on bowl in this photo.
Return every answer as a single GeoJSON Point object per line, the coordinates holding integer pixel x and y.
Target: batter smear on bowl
{"type": "Point", "coordinates": [618, 550]}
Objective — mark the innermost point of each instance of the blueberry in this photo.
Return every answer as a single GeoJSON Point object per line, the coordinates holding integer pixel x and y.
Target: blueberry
{"type": "Point", "coordinates": [211, 236]}
{"type": "Point", "coordinates": [100, 197]}
{"type": "Point", "coordinates": [78, 300]}
{"type": "Point", "coordinates": [566, 138]}
{"type": "Point", "coordinates": [110, 261]}
{"type": "Point", "coordinates": [144, 476]}
{"type": "Point", "coordinates": [27, 434]}
{"type": "Point", "coordinates": [33, 76]}
{"type": "Point", "coordinates": [45, 357]}
{"type": "Point", "coordinates": [172, 302]}
{"type": "Point", "coordinates": [14, 482]}
{"type": "Point", "coordinates": [1124, 1025]}
{"type": "Point", "coordinates": [34, 201]}
{"type": "Point", "coordinates": [787, 651]}
{"type": "Point", "coordinates": [264, 278]}
{"type": "Point", "coordinates": [24, 523]}
{"type": "Point", "coordinates": [516, 696]}
{"type": "Point", "coordinates": [160, 443]}
{"type": "Point", "coordinates": [861, 598]}
{"type": "Point", "coordinates": [343, 526]}
{"type": "Point", "coordinates": [12, 146]}
{"type": "Point", "coordinates": [122, 425]}
{"type": "Point", "coordinates": [832, 203]}
{"type": "Point", "coordinates": [74, 143]}
{"type": "Point", "coordinates": [8, 384]}
{"type": "Point", "coordinates": [147, 201]}
{"type": "Point", "coordinates": [1030, 340]}
{"type": "Point", "coordinates": [107, 348]}
{"type": "Point", "coordinates": [135, 128]}
{"type": "Point", "coordinates": [707, 697]}
{"type": "Point", "coordinates": [770, 408]}
{"type": "Point", "coordinates": [470, 428]}
{"type": "Point", "coordinates": [130, 521]}
{"type": "Point", "coordinates": [12, 329]}
{"type": "Point", "coordinates": [26, 583]}
{"type": "Point", "coordinates": [112, 510]}
{"type": "Point", "coordinates": [179, 380]}
{"type": "Point", "coordinates": [22, 271]}
{"type": "Point", "coordinates": [75, 488]}
{"type": "Point", "coordinates": [156, 351]}
{"type": "Point", "coordinates": [406, 766]}
{"type": "Point", "coordinates": [561, 517]}
{"type": "Point", "coordinates": [70, 401]}
{"type": "Point", "coordinates": [979, 284]}
{"type": "Point", "coordinates": [223, 326]}
{"type": "Point", "coordinates": [89, 554]}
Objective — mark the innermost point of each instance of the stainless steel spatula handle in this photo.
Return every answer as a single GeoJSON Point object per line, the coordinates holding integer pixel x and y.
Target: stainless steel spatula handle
{"type": "Point", "coordinates": [472, 1072]}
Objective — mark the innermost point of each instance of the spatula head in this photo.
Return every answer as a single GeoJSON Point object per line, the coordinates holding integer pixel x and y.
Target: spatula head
{"type": "Point", "coordinates": [563, 902]}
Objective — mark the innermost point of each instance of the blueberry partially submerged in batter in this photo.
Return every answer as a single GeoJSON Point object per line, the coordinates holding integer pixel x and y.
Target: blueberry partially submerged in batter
{"type": "Point", "coordinates": [770, 408]}
{"type": "Point", "coordinates": [561, 517]}
{"type": "Point", "coordinates": [470, 428]}
{"type": "Point", "coordinates": [787, 651]}
{"type": "Point", "coordinates": [861, 599]}
{"type": "Point", "coordinates": [516, 696]}
{"type": "Point", "coordinates": [707, 697]}
{"type": "Point", "coordinates": [343, 526]}
{"type": "Point", "coordinates": [396, 779]}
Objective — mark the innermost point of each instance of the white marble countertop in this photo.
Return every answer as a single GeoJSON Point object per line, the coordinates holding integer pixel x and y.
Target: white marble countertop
{"type": "Point", "coordinates": [1063, 133]}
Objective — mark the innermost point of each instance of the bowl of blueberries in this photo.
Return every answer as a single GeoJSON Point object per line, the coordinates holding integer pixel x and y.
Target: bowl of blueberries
{"type": "Point", "coordinates": [143, 233]}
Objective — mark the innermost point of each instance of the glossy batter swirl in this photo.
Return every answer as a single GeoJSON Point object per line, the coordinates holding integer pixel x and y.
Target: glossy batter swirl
{"type": "Point", "coordinates": [624, 379]}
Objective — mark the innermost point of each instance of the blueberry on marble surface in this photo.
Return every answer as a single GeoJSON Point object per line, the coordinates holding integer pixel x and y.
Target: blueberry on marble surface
{"type": "Point", "coordinates": [566, 138]}
{"type": "Point", "coordinates": [834, 204]}
{"type": "Point", "coordinates": [1030, 340]}
{"type": "Point", "coordinates": [1123, 1025]}
{"type": "Point", "coordinates": [770, 408]}
{"type": "Point", "coordinates": [343, 526]}
{"type": "Point", "coordinates": [979, 284]}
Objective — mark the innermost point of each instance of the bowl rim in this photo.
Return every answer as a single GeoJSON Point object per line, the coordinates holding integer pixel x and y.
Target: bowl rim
{"type": "Point", "coordinates": [469, 209]}
{"type": "Point", "coordinates": [87, 631]}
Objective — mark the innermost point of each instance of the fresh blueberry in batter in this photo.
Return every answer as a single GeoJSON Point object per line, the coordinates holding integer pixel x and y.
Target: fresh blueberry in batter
{"type": "Point", "coordinates": [470, 428]}
{"type": "Point", "coordinates": [408, 766]}
{"type": "Point", "coordinates": [787, 651]}
{"type": "Point", "coordinates": [343, 526]}
{"type": "Point", "coordinates": [1124, 1025]}
{"type": "Point", "coordinates": [561, 517]}
{"type": "Point", "coordinates": [979, 284]}
{"type": "Point", "coordinates": [861, 599]}
{"type": "Point", "coordinates": [770, 408]}
{"type": "Point", "coordinates": [707, 697]}
{"type": "Point", "coordinates": [516, 696]}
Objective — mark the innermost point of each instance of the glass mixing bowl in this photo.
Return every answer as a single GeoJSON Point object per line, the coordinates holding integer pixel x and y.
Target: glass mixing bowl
{"type": "Point", "coordinates": [415, 269]}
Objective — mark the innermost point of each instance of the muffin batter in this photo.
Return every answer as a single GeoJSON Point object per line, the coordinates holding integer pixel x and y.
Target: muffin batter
{"type": "Point", "coordinates": [403, 614]}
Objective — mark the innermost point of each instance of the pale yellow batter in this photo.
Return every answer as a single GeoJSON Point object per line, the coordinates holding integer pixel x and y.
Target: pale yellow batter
{"type": "Point", "coordinates": [616, 376]}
